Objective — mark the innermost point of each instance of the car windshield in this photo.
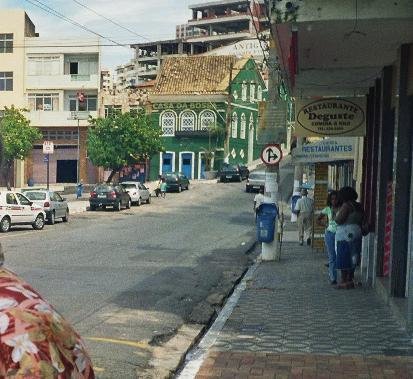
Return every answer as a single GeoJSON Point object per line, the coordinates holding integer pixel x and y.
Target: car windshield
{"type": "Point", "coordinates": [35, 195]}
{"type": "Point", "coordinates": [259, 176]}
{"type": "Point", "coordinates": [103, 188]}
{"type": "Point", "coordinates": [229, 168]}
{"type": "Point", "coordinates": [170, 176]}
{"type": "Point", "coordinates": [128, 185]}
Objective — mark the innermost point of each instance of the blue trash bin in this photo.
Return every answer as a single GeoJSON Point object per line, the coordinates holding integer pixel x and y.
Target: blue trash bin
{"type": "Point", "coordinates": [266, 218]}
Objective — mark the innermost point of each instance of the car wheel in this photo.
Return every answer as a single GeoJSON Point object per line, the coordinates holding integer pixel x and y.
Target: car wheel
{"type": "Point", "coordinates": [38, 223]}
{"type": "Point", "coordinates": [5, 224]}
{"type": "Point", "coordinates": [66, 218]}
{"type": "Point", "coordinates": [180, 188]}
{"type": "Point", "coordinates": [247, 189]}
{"type": "Point", "coordinates": [139, 202]}
{"type": "Point", "coordinates": [117, 206]}
{"type": "Point", "coordinates": [92, 207]}
{"type": "Point", "coordinates": [128, 205]}
{"type": "Point", "coordinates": [52, 219]}
{"type": "Point", "coordinates": [149, 200]}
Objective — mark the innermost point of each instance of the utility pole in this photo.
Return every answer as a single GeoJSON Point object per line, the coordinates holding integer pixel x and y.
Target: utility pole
{"type": "Point", "coordinates": [229, 116]}
{"type": "Point", "coordinates": [272, 251]}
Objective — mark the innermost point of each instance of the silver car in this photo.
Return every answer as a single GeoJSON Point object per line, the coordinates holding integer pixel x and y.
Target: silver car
{"type": "Point", "coordinates": [53, 204]}
{"type": "Point", "coordinates": [255, 180]}
{"type": "Point", "coordinates": [137, 192]}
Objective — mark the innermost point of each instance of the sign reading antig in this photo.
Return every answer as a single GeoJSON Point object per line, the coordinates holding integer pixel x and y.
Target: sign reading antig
{"type": "Point", "coordinates": [331, 117]}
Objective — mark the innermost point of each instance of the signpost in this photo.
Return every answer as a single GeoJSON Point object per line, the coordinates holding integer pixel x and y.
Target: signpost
{"type": "Point", "coordinates": [48, 148]}
{"type": "Point", "coordinates": [271, 154]}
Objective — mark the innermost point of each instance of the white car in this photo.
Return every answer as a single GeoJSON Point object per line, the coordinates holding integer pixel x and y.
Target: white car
{"type": "Point", "coordinates": [17, 209]}
{"type": "Point", "coordinates": [137, 192]}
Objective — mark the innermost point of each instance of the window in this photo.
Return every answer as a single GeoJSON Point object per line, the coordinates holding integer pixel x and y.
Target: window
{"type": "Point", "coordinates": [11, 199]}
{"type": "Point", "coordinates": [188, 121]}
{"type": "Point", "coordinates": [6, 81]}
{"type": "Point", "coordinates": [243, 126]}
{"type": "Point", "coordinates": [53, 135]}
{"type": "Point", "coordinates": [23, 199]}
{"type": "Point", "coordinates": [89, 104]}
{"type": "Point", "coordinates": [244, 89]}
{"type": "Point", "coordinates": [43, 65]}
{"type": "Point", "coordinates": [134, 110]}
{"type": "Point", "coordinates": [43, 101]}
{"type": "Point", "coordinates": [168, 120]}
{"type": "Point", "coordinates": [259, 93]}
{"type": "Point", "coordinates": [74, 68]}
{"type": "Point", "coordinates": [113, 110]}
{"type": "Point", "coordinates": [252, 92]}
{"type": "Point", "coordinates": [6, 43]}
{"type": "Point", "coordinates": [207, 119]}
{"type": "Point", "coordinates": [234, 125]}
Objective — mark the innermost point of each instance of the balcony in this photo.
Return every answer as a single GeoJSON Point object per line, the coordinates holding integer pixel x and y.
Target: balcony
{"type": "Point", "coordinates": [65, 82]}
{"type": "Point", "coordinates": [58, 119]}
{"type": "Point", "coordinates": [242, 16]}
{"type": "Point", "coordinates": [222, 37]}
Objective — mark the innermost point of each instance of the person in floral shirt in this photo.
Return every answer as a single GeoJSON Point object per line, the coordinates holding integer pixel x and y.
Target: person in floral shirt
{"type": "Point", "coordinates": [35, 341]}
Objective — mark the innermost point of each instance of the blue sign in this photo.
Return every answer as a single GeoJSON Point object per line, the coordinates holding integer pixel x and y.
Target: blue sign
{"type": "Point", "coordinates": [46, 158]}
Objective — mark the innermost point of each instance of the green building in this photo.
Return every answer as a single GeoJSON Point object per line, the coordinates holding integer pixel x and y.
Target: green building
{"type": "Point", "coordinates": [190, 104]}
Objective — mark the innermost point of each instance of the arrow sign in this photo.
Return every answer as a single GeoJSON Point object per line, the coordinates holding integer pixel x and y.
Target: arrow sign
{"type": "Point", "coordinates": [271, 154]}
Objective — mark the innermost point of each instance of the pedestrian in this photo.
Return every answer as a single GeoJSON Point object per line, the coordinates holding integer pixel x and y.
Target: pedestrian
{"type": "Point", "coordinates": [351, 226]}
{"type": "Point", "coordinates": [259, 198]}
{"type": "Point", "coordinates": [163, 188]}
{"type": "Point", "coordinates": [158, 186]}
{"type": "Point", "coordinates": [304, 210]}
{"type": "Point", "coordinates": [330, 212]}
{"type": "Point", "coordinates": [79, 190]}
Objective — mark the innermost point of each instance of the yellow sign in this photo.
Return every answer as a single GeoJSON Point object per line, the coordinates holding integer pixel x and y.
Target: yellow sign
{"type": "Point", "coordinates": [331, 117]}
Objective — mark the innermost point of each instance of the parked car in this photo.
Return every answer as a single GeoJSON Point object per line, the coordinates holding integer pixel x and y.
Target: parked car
{"type": "Point", "coordinates": [176, 181]}
{"type": "Point", "coordinates": [256, 179]}
{"type": "Point", "coordinates": [17, 209]}
{"type": "Point", "coordinates": [104, 195]}
{"type": "Point", "coordinates": [238, 173]}
{"type": "Point", "coordinates": [137, 192]}
{"type": "Point", "coordinates": [53, 204]}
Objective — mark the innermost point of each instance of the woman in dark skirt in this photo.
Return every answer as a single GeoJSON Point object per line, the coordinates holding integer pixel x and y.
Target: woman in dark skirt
{"type": "Point", "coordinates": [349, 219]}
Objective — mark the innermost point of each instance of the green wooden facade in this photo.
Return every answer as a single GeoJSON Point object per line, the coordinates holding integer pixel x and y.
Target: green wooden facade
{"type": "Point", "coordinates": [200, 123]}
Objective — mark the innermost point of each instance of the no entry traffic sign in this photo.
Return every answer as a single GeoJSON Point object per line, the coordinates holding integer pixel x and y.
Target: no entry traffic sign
{"type": "Point", "coordinates": [271, 154]}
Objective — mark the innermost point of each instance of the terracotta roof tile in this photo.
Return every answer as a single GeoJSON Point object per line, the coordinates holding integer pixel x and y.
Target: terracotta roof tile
{"type": "Point", "coordinates": [197, 74]}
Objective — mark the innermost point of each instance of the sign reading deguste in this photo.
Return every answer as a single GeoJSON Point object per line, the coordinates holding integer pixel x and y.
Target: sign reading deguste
{"type": "Point", "coordinates": [331, 117]}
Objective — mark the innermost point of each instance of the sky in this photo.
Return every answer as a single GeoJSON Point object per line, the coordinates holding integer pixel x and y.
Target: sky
{"type": "Point", "coordinates": [153, 19]}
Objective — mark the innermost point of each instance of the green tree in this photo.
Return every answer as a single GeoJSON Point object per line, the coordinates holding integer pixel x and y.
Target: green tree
{"type": "Point", "coordinates": [18, 139]}
{"type": "Point", "coordinates": [122, 140]}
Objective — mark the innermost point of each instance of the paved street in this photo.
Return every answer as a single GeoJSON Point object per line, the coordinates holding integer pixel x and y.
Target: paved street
{"type": "Point", "coordinates": [129, 280]}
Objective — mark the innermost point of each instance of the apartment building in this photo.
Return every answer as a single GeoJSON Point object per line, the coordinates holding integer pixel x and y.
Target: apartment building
{"type": "Point", "coordinates": [106, 80]}
{"type": "Point", "coordinates": [58, 83]}
{"type": "Point", "coordinates": [62, 81]}
{"type": "Point", "coordinates": [213, 26]}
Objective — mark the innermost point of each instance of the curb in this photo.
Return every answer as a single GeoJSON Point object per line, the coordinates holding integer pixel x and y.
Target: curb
{"type": "Point", "coordinates": [177, 361]}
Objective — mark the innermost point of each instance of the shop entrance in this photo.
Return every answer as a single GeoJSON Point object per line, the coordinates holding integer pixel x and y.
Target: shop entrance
{"type": "Point", "coordinates": [66, 171]}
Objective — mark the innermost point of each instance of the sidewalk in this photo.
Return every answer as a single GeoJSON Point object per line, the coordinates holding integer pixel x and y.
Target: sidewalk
{"type": "Point", "coordinates": [289, 322]}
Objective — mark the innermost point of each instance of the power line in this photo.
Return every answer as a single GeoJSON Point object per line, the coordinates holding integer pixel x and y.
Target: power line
{"type": "Point", "coordinates": [57, 14]}
{"type": "Point", "coordinates": [108, 19]}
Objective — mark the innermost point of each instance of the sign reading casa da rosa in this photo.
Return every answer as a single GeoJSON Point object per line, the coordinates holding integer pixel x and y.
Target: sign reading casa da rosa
{"type": "Point", "coordinates": [331, 117]}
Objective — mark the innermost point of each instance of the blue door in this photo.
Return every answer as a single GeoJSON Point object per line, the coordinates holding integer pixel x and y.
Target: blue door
{"type": "Point", "coordinates": [187, 165]}
{"type": "Point", "coordinates": [202, 173]}
{"type": "Point", "coordinates": [166, 162]}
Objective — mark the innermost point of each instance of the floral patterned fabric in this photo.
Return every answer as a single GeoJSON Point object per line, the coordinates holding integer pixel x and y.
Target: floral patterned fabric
{"type": "Point", "coordinates": [35, 341]}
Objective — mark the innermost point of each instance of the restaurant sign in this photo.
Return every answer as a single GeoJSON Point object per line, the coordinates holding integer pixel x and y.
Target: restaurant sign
{"type": "Point", "coordinates": [331, 117]}
{"type": "Point", "coordinates": [326, 150]}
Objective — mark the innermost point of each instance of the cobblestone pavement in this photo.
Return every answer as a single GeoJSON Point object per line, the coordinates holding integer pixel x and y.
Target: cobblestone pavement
{"type": "Point", "coordinates": [290, 322]}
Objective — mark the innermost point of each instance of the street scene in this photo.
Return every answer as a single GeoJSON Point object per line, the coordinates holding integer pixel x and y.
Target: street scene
{"type": "Point", "coordinates": [219, 189]}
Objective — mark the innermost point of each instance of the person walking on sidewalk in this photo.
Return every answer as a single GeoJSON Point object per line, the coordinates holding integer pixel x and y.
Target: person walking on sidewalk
{"type": "Point", "coordinates": [350, 225]}
{"type": "Point", "coordinates": [329, 212]}
{"type": "Point", "coordinates": [259, 198]}
{"type": "Point", "coordinates": [163, 188]}
{"type": "Point", "coordinates": [304, 210]}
